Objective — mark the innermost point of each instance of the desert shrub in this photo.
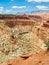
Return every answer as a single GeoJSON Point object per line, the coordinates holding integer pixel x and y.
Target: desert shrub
{"type": "Point", "coordinates": [47, 44]}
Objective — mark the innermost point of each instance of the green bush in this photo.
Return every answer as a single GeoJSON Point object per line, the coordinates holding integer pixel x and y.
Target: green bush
{"type": "Point", "coordinates": [47, 44]}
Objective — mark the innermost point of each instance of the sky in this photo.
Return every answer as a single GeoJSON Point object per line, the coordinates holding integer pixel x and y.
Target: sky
{"type": "Point", "coordinates": [23, 6]}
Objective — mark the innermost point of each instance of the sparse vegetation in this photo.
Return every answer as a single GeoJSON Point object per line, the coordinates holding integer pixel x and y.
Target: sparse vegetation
{"type": "Point", "coordinates": [47, 44]}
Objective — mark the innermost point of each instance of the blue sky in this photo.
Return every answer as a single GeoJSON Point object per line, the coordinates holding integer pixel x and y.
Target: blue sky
{"type": "Point", "coordinates": [15, 6]}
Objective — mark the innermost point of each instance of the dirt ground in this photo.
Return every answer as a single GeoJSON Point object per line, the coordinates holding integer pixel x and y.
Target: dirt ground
{"type": "Point", "coordinates": [35, 59]}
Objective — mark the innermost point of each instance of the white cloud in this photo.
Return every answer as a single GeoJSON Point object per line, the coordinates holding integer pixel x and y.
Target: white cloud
{"type": "Point", "coordinates": [1, 9]}
{"type": "Point", "coordinates": [7, 11]}
{"type": "Point", "coordinates": [42, 7]}
{"type": "Point", "coordinates": [18, 7]}
{"type": "Point", "coordinates": [38, 0]}
{"type": "Point", "coordinates": [30, 0]}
